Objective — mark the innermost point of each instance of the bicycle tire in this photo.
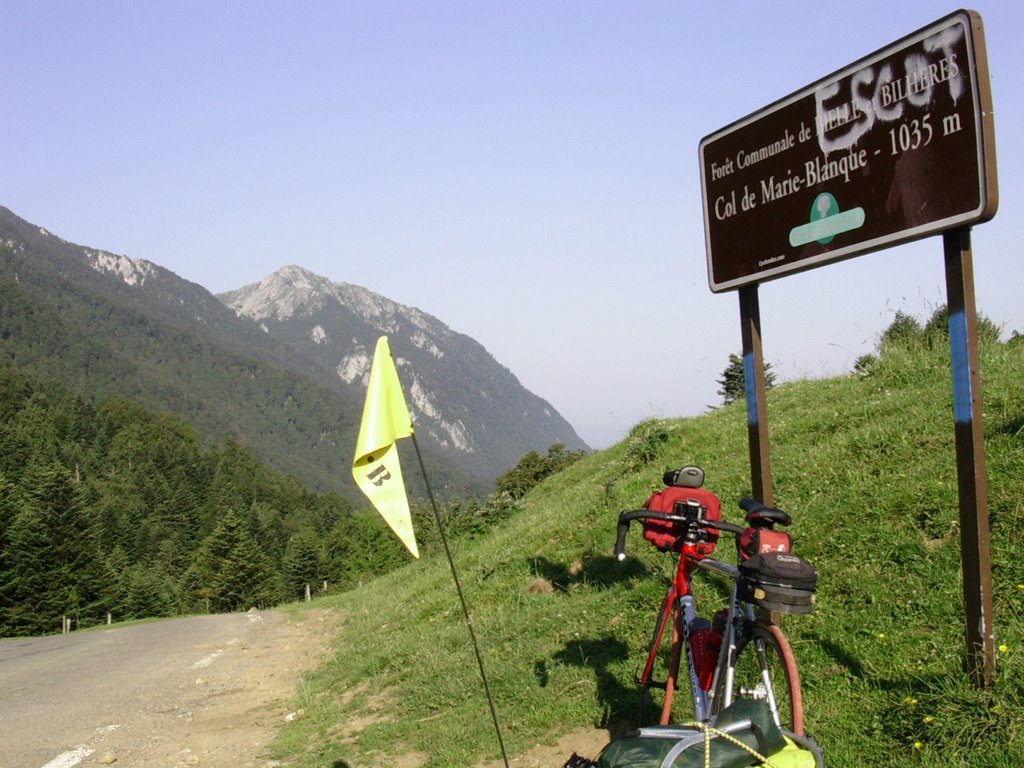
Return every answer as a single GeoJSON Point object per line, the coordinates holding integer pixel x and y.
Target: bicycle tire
{"type": "Point", "coordinates": [768, 641]}
{"type": "Point", "coordinates": [651, 711]}
{"type": "Point", "coordinates": [646, 707]}
{"type": "Point", "coordinates": [675, 659]}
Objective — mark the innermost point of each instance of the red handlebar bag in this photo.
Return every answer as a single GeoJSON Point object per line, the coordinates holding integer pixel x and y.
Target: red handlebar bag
{"type": "Point", "coordinates": [668, 535]}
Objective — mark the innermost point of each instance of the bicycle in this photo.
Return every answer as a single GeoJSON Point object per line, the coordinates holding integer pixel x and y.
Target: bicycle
{"type": "Point", "coordinates": [753, 658]}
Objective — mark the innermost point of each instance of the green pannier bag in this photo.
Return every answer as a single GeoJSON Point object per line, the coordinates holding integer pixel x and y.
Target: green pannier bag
{"type": "Point", "coordinates": [743, 735]}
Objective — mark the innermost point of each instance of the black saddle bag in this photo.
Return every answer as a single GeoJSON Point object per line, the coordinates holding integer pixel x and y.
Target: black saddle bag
{"type": "Point", "coordinates": [778, 581]}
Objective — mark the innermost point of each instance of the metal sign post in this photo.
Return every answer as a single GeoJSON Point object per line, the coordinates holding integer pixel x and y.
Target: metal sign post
{"type": "Point", "coordinates": [970, 458]}
{"type": "Point", "coordinates": [754, 385]}
{"type": "Point", "coordinates": [895, 147]}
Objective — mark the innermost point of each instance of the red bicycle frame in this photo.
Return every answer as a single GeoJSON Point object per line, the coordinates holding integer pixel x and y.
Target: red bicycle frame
{"type": "Point", "coordinates": [679, 591]}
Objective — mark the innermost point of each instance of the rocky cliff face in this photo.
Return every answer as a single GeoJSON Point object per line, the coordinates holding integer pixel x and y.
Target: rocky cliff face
{"type": "Point", "coordinates": [461, 398]}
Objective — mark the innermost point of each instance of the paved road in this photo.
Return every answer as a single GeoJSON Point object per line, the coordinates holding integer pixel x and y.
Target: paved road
{"type": "Point", "coordinates": [61, 696]}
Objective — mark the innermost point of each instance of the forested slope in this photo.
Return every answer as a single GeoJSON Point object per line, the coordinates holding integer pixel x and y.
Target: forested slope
{"type": "Point", "coordinates": [108, 507]}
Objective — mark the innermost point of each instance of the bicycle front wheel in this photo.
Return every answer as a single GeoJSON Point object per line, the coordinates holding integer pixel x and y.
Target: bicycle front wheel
{"type": "Point", "coordinates": [765, 669]}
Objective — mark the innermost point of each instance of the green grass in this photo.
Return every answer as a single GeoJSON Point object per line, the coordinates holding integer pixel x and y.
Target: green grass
{"type": "Point", "coordinates": [866, 467]}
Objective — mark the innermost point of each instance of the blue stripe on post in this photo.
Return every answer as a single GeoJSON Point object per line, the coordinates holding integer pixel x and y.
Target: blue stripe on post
{"type": "Point", "coordinates": [749, 389]}
{"type": "Point", "coordinates": [962, 411]}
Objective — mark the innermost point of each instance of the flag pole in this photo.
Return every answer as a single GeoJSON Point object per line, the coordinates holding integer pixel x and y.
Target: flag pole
{"type": "Point", "coordinates": [462, 599]}
{"type": "Point", "coordinates": [377, 471]}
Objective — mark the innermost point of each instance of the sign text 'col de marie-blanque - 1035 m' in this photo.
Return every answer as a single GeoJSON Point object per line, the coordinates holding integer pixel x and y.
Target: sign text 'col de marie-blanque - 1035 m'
{"type": "Point", "coordinates": [892, 148]}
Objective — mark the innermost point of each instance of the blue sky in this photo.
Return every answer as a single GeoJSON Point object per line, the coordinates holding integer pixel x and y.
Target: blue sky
{"type": "Point", "coordinates": [527, 171]}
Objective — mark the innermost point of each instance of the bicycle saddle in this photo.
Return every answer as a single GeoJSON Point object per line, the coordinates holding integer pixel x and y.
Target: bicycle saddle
{"type": "Point", "coordinates": [759, 513]}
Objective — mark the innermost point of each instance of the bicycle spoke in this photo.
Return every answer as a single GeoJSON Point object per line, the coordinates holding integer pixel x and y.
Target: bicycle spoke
{"type": "Point", "coordinates": [765, 670]}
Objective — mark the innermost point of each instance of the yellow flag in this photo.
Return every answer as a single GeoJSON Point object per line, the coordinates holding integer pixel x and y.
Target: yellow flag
{"type": "Point", "coordinates": [375, 467]}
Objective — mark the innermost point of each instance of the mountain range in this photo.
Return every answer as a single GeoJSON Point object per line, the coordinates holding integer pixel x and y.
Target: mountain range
{"type": "Point", "coordinates": [280, 365]}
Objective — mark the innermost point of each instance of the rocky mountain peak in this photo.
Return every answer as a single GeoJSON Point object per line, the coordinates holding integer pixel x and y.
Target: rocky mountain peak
{"type": "Point", "coordinates": [294, 291]}
{"type": "Point", "coordinates": [287, 292]}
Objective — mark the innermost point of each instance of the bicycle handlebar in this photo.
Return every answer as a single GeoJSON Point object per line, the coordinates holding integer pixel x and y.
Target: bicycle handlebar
{"type": "Point", "coordinates": [626, 515]}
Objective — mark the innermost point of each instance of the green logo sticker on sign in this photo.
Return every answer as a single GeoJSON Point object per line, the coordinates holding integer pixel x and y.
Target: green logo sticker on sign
{"type": "Point", "coordinates": [826, 222]}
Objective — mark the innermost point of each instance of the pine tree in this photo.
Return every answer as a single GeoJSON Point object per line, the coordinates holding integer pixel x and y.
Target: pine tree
{"type": "Point", "coordinates": [148, 593]}
{"type": "Point", "coordinates": [27, 604]}
{"type": "Point", "coordinates": [75, 574]}
{"type": "Point", "coordinates": [301, 564]}
{"type": "Point", "coordinates": [733, 381]}
{"type": "Point", "coordinates": [233, 569]}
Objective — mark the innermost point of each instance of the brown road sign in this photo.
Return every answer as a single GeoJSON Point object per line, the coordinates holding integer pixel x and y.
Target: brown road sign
{"type": "Point", "coordinates": [894, 147]}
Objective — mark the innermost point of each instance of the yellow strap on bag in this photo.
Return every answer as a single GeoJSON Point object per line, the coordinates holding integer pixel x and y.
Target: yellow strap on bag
{"type": "Point", "coordinates": [710, 731]}
{"type": "Point", "coordinates": [792, 756]}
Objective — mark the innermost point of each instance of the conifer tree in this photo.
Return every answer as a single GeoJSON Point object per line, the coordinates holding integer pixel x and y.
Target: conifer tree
{"type": "Point", "coordinates": [27, 604]}
{"type": "Point", "coordinates": [733, 381]}
{"type": "Point", "coordinates": [234, 569]}
{"type": "Point", "coordinates": [301, 564]}
{"type": "Point", "coordinates": [75, 576]}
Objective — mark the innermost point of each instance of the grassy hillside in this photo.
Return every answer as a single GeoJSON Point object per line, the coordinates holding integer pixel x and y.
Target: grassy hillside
{"type": "Point", "coordinates": [865, 464]}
